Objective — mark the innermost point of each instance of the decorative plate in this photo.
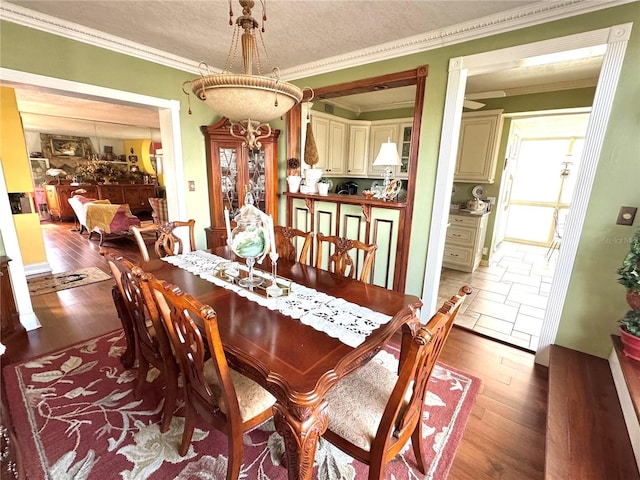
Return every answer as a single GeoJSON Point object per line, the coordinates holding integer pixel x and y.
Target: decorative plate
{"type": "Point", "coordinates": [478, 191]}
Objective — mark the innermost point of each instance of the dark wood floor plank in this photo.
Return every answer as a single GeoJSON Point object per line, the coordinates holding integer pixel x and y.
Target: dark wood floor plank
{"type": "Point", "coordinates": [586, 434]}
{"type": "Point", "coordinates": [506, 433]}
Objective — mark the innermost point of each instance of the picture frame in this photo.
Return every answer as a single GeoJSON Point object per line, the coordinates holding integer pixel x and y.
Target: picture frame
{"type": "Point", "coordinates": [133, 158]}
{"type": "Point", "coordinates": [67, 146]}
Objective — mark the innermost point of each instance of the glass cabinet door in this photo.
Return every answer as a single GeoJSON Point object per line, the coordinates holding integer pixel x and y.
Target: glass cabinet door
{"type": "Point", "coordinates": [229, 179]}
{"type": "Point", "coordinates": [257, 178]}
{"type": "Point", "coordinates": [405, 149]}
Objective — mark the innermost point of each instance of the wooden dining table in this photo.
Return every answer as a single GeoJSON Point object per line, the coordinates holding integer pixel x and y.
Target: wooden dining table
{"type": "Point", "coordinates": [295, 362]}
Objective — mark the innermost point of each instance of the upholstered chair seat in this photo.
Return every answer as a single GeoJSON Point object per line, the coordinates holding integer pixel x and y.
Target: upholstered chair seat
{"type": "Point", "coordinates": [252, 398]}
{"type": "Point", "coordinates": [357, 403]}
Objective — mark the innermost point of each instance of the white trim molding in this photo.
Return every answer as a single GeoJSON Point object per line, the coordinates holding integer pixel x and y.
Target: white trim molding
{"type": "Point", "coordinates": [526, 16]}
{"type": "Point", "coordinates": [615, 38]}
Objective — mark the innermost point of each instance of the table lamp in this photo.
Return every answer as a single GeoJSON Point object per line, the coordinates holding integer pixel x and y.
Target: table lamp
{"type": "Point", "coordinates": [56, 173]}
{"type": "Point", "coordinates": [387, 157]}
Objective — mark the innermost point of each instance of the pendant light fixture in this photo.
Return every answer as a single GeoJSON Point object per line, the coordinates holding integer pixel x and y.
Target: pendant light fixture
{"type": "Point", "coordinates": [249, 101]}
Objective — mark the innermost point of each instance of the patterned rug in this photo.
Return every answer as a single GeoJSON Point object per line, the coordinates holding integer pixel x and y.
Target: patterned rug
{"type": "Point", "coordinates": [76, 417]}
{"type": "Point", "coordinates": [62, 281]}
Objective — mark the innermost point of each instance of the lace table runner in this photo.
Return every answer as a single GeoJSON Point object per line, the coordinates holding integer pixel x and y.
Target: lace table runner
{"type": "Point", "coordinates": [346, 321]}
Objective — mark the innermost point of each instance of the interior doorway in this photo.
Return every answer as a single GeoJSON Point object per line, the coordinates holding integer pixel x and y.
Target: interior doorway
{"type": "Point", "coordinates": [511, 289]}
{"type": "Point", "coordinates": [614, 39]}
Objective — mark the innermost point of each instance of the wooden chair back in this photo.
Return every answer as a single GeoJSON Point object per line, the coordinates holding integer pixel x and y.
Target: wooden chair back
{"type": "Point", "coordinates": [288, 238]}
{"type": "Point", "coordinates": [167, 242]}
{"type": "Point", "coordinates": [160, 210]}
{"type": "Point", "coordinates": [341, 259]}
{"type": "Point", "coordinates": [402, 418]}
{"type": "Point", "coordinates": [209, 386]}
{"type": "Point", "coordinates": [152, 346]}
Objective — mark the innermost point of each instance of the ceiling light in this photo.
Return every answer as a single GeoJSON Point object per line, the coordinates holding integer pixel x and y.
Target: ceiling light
{"type": "Point", "coordinates": [249, 101]}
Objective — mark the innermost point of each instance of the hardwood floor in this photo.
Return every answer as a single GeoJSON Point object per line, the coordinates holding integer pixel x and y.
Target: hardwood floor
{"type": "Point", "coordinates": [505, 435]}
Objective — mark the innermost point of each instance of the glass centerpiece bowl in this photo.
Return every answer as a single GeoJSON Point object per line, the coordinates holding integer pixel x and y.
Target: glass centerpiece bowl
{"type": "Point", "coordinates": [249, 241]}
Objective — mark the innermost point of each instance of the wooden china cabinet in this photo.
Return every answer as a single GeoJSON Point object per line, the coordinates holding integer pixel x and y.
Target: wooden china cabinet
{"type": "Point", "coordinates": [232, 170]}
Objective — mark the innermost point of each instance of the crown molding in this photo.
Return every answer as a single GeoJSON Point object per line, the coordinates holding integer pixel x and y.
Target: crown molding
{"type": "Point", "coordinates": [46, 23]}
{"type": "Point", "coordinates": [538, 13]}
{"type": "Point", "coordinates": [527, 16]}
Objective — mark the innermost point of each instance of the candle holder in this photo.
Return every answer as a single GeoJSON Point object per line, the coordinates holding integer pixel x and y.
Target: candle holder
{"type": "Point", "coordinates": [274, 290]}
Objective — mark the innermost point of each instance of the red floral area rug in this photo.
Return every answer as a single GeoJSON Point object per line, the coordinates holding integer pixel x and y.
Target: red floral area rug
{"type": "Point", "coordinates": [76, 418]}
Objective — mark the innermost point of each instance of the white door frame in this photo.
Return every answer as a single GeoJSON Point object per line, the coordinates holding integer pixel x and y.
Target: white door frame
{"type": "Point", "coordinates": [169, 112]}
{"type": "Point", "coordinates": [615, 38]}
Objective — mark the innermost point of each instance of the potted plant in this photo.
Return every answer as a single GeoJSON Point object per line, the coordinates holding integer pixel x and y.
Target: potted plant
{"type": "Point", "coordinates": [311, 158]}
{"type": "Point", "coordinates": [293, 177]}
{"type": "Point", "coordinates": [630, 279]}
{"type": "Point", "coordinates": [630, 334]}
{"type": "Point", "coordinates": [630, 272]}
{"type": "Point", "coordinates": [324, 185]}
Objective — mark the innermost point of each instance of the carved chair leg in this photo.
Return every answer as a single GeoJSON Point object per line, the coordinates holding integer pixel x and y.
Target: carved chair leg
{"type": "Point", "coordinates": [170, 398]}
{"type": "Point", "coordinates": [189, 426]}
{"type": "Point", "coordinates": [418, 448]}
{"type": "Point", "coordinates": [143, 369]}
{"type": "Point", "coordinates": [235, 455]}
{"type": "Point", "coordinates": [128, 357]}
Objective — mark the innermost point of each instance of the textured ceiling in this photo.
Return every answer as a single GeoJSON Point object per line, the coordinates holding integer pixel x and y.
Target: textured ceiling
{"type": "Point", "coordinates": [298, 32]}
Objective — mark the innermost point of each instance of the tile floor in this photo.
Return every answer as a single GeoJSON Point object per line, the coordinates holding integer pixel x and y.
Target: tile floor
{"type": "Point", "coordinates": [509, 296]}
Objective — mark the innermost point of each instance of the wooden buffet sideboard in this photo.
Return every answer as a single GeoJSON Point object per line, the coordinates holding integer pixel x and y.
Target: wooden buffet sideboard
{"type": "Point", "coordinates": [135, 194]}
{"type": "Point", "coordinates": [355, 217]}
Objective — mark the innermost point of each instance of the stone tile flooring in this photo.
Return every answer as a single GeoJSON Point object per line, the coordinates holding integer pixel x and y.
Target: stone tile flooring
{"type": "Point", "coordinates": [509, 296]}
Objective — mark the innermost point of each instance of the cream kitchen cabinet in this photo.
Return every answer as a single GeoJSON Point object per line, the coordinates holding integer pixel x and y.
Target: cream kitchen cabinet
{"type": "Point", "coordinates": [464, 242]}
{"type": "Point", "coordinates": [330, 134]}
{"type": "Point", "coordinates": [478, 145]}
{"type": "Point", "coordinates": [358, 149]}
{"type": "Point", "coordinates": [380, 133]}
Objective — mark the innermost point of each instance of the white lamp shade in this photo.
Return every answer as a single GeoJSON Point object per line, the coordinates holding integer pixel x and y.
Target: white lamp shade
{"type": "Point", "coordinates": [388, 155]}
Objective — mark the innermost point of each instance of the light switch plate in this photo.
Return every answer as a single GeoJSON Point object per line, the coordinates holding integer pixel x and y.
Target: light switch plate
{"type": "Point", "coordinates": [192, 186]}
{"type": "Point", "coordinates": [626, 215]}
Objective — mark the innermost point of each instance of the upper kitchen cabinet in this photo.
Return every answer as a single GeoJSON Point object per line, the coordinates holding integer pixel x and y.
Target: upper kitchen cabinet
{"type": "Point", "coordinates": [480, 134]}
{"type": "Point", "coordinates": [232, 171]}
{"type": "Point", "coordinates": [330, 134]}
{"type": "Point", "coordinates": [358, 149]}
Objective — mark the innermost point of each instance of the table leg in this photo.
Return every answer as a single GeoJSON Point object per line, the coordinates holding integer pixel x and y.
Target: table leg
{"type": "Point", "coordinates": [301, 433]}
{"type": "Point", "coordinates": [128, 357]}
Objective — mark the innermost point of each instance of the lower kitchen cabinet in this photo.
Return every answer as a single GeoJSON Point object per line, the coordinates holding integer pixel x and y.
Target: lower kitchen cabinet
{"type": "Point", "coordinates": [353, 217]}
{"type": "Point", "coordinates": [465, 240]}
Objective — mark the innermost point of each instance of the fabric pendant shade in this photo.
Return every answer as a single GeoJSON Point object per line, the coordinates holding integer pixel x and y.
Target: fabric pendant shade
{"type": "Point", "coordinates": [310, 150]}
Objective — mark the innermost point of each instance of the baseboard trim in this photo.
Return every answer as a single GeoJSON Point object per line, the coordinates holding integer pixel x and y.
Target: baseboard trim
{"type": "Point", "coordinates": [37, 269]}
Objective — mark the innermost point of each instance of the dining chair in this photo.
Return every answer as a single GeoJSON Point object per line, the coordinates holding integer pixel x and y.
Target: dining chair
{"type": "Point", "coordinates": [288, 238]}
{"type": "Point", "coordinates": [151, 342]}
{"type": "Point", "coordinates": [167, 243]}
{"type": "Point", "coordinates": [228, 400]}
{"type": "Point", "coordinates": [341, 260]}
{"type": "Point", "coordinates": [159, 210]}
{"type": "Point", "coordinates": [373, 412]}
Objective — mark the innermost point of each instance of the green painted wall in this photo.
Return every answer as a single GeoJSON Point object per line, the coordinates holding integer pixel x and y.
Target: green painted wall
{"type": "Point", "coordinates": [594, 300]}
